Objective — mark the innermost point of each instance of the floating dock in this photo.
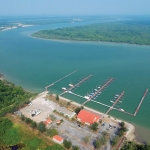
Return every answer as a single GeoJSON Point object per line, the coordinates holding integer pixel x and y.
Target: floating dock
{"type": "Point", "coordinates": [98, 91]}
{"type": "Point", "coordinates": [72, 87]}
{"type": "Point", "coordinates": [109, 81]}
{"type": "Point", "coordinates": [140, 102]}
{"type": "Point", "coordinates": [46, 88]}
{"type": "Point", "coordinates": [117, 100]}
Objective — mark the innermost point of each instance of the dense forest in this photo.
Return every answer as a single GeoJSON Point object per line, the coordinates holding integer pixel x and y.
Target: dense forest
{"type": "Point", "coordinates": [133, 146]}
{"type": "Point", "coordinates": [120, 32]}
{"type": "Point", "coordinates": [12, 97]}
{"type": "Point", "coordinates": [19, 133]}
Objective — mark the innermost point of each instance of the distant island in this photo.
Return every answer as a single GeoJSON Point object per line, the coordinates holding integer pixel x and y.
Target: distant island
{"type": "Point", "coordinates": [119, 32]}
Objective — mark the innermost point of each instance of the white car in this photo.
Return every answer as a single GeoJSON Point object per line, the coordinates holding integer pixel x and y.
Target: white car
{"type": "Point", "coordinates": [30, 104]}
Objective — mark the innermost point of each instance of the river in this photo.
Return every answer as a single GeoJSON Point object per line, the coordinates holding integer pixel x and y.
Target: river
{"type": "Point", "coordinates": [34, 63]}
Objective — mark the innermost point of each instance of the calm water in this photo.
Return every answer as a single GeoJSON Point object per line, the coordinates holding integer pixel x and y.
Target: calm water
{"type": "Point", "coordinates": [34, 63]}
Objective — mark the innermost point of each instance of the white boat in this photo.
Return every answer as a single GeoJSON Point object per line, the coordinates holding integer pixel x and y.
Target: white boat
{"type": "Point", "coordinates": [122, 109]}
{"type": "Point", "coordinates": [99, 87]}
{"type": "Point", "coordinates": [117, 95]}
{"type": "Point", "coordinates": [111, 101]}
{"type": "Point", "coordinates": [86, 97]}
{"type": "Point", "coordinates": [63, 88]}
{"type": "Point", "coordinates": [71, 85]}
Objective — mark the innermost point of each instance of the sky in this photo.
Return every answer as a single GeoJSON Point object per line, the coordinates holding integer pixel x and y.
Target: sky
{"type": "Point", "coordinates": [74, 7]}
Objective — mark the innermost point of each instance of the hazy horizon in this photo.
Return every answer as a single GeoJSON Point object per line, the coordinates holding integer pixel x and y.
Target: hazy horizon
{"type": "Point", "coordinates": [74, 8]}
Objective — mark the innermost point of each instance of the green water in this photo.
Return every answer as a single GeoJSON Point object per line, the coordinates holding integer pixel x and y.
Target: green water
{"type": "Point", "coordinates": [34, 63]}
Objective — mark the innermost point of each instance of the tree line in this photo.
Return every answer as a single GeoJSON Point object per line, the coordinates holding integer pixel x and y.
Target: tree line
{"type": "Point", "coordinates": [120, 32]}
{"type": "Point", "coordinates": [12, 97]}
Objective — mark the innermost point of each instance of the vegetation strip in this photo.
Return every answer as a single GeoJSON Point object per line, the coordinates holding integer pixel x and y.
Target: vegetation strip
{"type": "Point", "coordinates": [120, 32]}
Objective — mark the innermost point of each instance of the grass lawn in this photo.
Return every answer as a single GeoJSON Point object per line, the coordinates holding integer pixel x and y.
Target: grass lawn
{"type": "Point", "coordinates": [31, 138]}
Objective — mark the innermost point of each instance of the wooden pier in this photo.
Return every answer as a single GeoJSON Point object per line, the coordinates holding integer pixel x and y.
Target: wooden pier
{"type": "Point", "coordinates": [117, 100]}
{"type": "Point", "coordinates": [140, 102]}
{"type": "Point", "coordinates": [69, 89]}
{"type": "Point", "coordinates": [46, 88]}
{"type": "Point", "coordinates": [96, 92]}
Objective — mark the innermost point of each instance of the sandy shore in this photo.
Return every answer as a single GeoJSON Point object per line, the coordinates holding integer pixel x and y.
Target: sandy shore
{"type": "Point", "coordinates": [1, 77]}
{"type": "Point", "coordinates": [130, 134]}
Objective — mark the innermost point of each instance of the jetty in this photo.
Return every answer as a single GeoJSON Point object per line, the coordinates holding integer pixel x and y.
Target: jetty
{"type": "Point", "coordinates": [116, 101]}
{"type": "Point", "coordinates": [140, 102]}
{"type": "Point", "coordinates": [76, 85]}
{"type": "Point", "coordinates": [98, 91]}
{"type": "Point", "coordinates": [46, 88]}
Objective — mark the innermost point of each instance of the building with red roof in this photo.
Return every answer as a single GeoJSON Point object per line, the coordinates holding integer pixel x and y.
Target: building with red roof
{"type": "Point", "coordinates": [47, 122]}
{"type": "Point", "coordinates": [58, 139]}
{"type": "Point", "coordinates": [87, 117]}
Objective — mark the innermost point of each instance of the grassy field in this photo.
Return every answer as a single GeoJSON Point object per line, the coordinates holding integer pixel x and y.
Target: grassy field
{"type": "Point", "coordinates": [32, 138]}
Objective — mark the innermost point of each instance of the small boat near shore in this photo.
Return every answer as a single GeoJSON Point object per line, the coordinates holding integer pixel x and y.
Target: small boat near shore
{"type": "Point", "coordinates": [111, 101]}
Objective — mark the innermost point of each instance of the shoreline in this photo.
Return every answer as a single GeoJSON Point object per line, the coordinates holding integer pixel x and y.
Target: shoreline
{"type": "Point", "coordinates": [130, 134]}
{"type": "Point", "coordinates": [1, 76]}
{"type": "Point", "coordinates": [133, 134]}
{"type": "Point", "coordinates": [87, 41]}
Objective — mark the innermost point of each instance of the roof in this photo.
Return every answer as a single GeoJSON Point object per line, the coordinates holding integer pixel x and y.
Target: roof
{"type": "Point", "coordinates": [58, 138]}
{"type": "Point", "coordinates": [87, 117]}
{"type": "Point", "coordinates": [47, 122]}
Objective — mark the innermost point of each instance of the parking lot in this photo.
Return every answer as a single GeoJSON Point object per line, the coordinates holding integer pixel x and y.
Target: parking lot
{"type": "Point", "coordinates": [71, 131]}
{"type": "Point", "coordinates": [45, 106]}
{"type": "Point", "coordinates": [67, 129]}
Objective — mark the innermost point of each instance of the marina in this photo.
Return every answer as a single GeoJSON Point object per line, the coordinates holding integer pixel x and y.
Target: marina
{"type": "Point", "coordinates": [77, 84]}
{"type": "Point", "coordinates": [96, 92]}
{"type": "Point", "coordinates": [46, 88]}
{"type": "Point", "coordinates": [52, 60]}
{"type": "Point", "coordinates": [117, 100]}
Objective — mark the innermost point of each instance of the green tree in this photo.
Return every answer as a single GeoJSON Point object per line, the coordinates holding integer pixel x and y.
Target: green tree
{"type": "Point", "coordinates": [28, 120]}
{"type": "Point", "coordinates": [115, 140]}
{"type": "Point", "coordinates": [94, 126]}
{"type": "Point", "coordinates": [51, 132]}
{"type": "Point", "coordinates": [41, 127]}
{"type": "Point", "coordinates": [129, 146]}
{"type": "Point", "coordinates": [97, 144]}
{"type": "Point", "coordinates": [86, 139]}
{"type": "Point", "coordinates": [11, 97]}
{"type": "Point", "coordinates": [33, 124]}
{"type": "Point", "coordinates": [23, 117]}
{"type": "Point", "coordinates": [57, 97]}
{"type": "Point", "coordinates": [122, 124]}
{"type": "Point", "coordinates": [75, 148]}
{"type": "Point", "coordinates": [68, 103]}
{"type": "Point", "coordinates": [67, 144]}
{"type": "Point", "coordinates": [77, 110]}
{"type": "Point", "coordinates": [120, 132]}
